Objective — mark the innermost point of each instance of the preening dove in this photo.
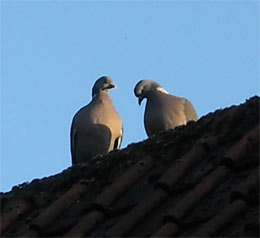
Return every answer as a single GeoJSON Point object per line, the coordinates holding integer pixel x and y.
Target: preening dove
{"type": "Point", "coordinates": [96, 128]}
{"type": "Point", "coordinates": [163, 111]}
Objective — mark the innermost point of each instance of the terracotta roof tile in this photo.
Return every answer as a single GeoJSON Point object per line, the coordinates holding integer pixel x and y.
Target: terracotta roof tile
{"type": "Point", "coordinates": [182, 166]}
{"type": "Point", "coordinates": [16, 210]}
{"type": "Point", "coordinates": [221, 219]}
{"type": "Point", "coordinates": [57, 208]}
{"type": "Point", "coordinates": [169, 229]}
{"type": "Point", "coordinates": [241, 149]}
{"type": "Point", "coordinates": [194, 197]}
{"type": "Point", "coordinates": [86, 225]}
{"type": "Point", "coordinates": [126, 223]}
{"type": "Point", "coordinates": [116, 189]}
{"type": "Point", "coordinates": [247, 188]}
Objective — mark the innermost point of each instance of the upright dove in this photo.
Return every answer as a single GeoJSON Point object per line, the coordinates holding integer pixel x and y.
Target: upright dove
{"type": "Point", "coordinates": [163, 111]}
{"type": "Point", "coordinates": [96, 128]}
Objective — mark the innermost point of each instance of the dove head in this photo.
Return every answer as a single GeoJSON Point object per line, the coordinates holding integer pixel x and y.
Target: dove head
{"type": "Point", "coordinates": [144, 87]}
{"type": "Point", "coordinates": [103, 84]}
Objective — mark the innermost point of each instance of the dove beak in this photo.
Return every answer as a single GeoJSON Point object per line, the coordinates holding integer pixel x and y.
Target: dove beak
{"type": "Point", "coordinates": [111, 85]}
{"type": "Point", "coordinates": [140, 99]}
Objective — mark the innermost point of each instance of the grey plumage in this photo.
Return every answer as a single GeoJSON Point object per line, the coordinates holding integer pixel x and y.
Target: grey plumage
{"type": "Point", "coordinates": [163, 111]}
{"type": "Point", "coordinates": [96, 128]}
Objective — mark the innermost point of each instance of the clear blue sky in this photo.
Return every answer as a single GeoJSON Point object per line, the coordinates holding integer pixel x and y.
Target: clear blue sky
{"type": "Point", "coordinates": [53, 51]}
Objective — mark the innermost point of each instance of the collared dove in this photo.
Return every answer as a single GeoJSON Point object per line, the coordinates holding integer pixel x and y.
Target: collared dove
{"type": "Point", "coordinates": [96, 128]}
{"type": "Point", "coordinates": [163, 111]}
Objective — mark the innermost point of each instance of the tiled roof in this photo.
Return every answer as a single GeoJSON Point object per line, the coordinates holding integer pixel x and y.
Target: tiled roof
{"type": "Point", "coordinates": [198, 180]}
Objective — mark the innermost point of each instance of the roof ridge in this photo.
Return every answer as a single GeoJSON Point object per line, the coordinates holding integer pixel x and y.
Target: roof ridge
{"type": "Point", "coordinates": [164, 184]}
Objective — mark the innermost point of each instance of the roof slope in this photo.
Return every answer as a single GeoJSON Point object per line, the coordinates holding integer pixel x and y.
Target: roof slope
{"type": "Point", "coordinates": [196, 180]}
